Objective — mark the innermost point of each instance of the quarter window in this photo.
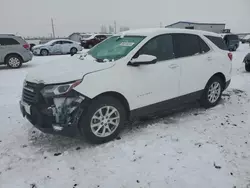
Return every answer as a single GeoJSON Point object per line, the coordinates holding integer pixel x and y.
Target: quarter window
{"type": "Point", "coordinates": [186, 45]}
{"type": "Point", "coordinates": [160, 46]}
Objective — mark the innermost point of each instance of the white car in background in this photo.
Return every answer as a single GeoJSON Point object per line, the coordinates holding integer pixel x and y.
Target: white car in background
{"type": "Point", "coordinates": [129, 75]}
{"type": "Point", "coordinates": [59, 46]}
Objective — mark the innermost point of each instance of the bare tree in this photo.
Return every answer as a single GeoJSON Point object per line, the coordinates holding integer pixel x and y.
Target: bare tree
{"type": "Point", "coordinates": [103, 29]}
{"type": "Point", "coordinates": [124, 28]}
{"type": "Point", "coordinates": [111, 29]}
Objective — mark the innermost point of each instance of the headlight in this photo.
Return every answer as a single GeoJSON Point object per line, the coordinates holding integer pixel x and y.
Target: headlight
{"type": "Point", "coordinates": [52, 90]}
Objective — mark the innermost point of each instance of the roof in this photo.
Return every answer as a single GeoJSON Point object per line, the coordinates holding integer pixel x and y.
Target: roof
{"type": "Point", "coordinates": [195, 23]}
{"type": "Point", "coordinates": [159, 31]}
{"type": "Point", "coordinates": [76, 33]}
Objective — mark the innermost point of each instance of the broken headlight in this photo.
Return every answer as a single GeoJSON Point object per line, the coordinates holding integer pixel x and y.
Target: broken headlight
{"type": "Point", "coordinates": [53, 90]}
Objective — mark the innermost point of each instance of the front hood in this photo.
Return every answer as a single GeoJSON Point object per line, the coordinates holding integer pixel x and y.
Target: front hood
{"type": "Point", "coordinates": [65, 69]}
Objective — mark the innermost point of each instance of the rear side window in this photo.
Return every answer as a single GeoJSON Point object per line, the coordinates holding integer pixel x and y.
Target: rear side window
{"type": "Point", "coordinates": [218, 41]}
{"type": "Point", "coordinates": [186, 45]}
{"type": "Point", "coordinates": [160, 46]}
{"type": "Point", "coordinates": [8, 41]}
{"type": "Point", "coordinates": [67, 42]}
{"type": "Point", "coordinates": [232, 37]}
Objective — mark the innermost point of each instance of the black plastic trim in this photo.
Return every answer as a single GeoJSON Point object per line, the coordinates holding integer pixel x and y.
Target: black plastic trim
{"type": "Point", "coordinates": [167, 105]}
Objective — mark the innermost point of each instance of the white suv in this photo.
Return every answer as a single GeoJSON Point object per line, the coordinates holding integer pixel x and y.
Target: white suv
{"type": "Point", "coordinates": [132, 74]}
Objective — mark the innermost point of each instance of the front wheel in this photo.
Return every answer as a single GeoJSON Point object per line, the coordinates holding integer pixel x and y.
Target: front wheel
{"type": "Point", "coordinates": [247, 67]}
{"type": "Point", "coordinates": [212, 92]}
{"type": "Point", "coordinates": [103, 120]}
{"type": "Point", "coordinates": [44, 52]}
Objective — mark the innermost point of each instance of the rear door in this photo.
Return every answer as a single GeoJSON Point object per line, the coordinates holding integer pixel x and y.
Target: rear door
{"type": "Point", "coordinates": [194, 56]}
{"type": "Point", "coordinates": [9, 45]}
{"type": "Point", "coordinates": [66, 46]}
{"type": "Point", "coordinates": [2, 51]}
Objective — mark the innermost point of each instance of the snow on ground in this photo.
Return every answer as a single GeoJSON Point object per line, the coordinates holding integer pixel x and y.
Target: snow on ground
{"type": "Point", "coordinates": [194, 148]}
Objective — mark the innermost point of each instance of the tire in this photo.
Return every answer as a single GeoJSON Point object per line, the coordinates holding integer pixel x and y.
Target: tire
{"type": "Point", "coordinates": [73, 50]}
{"type": "Point", "coordinates": [247, 67]}
{"type": "Point", "coordinates": [92, 128]}
{"type": "Point", "coordinates": [14, 61]}
{"type": "Point", "coordinates": [44, 52]}
{"type": "Point", "coordinates": [209, 99]}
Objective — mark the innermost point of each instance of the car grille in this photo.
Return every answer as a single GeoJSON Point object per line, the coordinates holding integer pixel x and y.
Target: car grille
{"type": "Point", "coordinates": [30, 93]}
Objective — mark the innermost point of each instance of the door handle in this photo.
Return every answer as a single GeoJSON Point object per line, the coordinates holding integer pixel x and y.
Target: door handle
{"type": "Point", "coordinates": [173, 66]}
{"type": "Point", "coordinates": [209, 58]}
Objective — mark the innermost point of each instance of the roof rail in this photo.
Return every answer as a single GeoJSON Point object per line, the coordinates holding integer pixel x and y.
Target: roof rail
{"type": "Point", "coordinates": [8, 34]}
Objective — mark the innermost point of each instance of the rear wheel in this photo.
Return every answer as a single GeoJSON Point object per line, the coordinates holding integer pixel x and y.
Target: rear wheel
{"type": "Point", "coordinates": [212, 92]}
{"type": "Point", "coordinates": [73, 50]}
{"type": "Point", "coordinates": [90, 46]}
{"type": "Point", "coordinates": [103, 120]}
{"type": "Point", "coordinates": [44, 52]}
{"type": "Point", "coordinates": [247, 67]}
{"type": "Point", "coordinates": [14, 61]}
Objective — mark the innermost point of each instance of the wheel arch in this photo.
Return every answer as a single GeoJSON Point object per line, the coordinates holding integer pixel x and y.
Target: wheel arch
{"type": "Point", "coordinates": [220, 75]}
{"type": "Point", "coordinates": [12, 54]}
{"type": "Point", "coordinates": [43, 48]}
{"type": "Point", "coordinates": [119, 97]}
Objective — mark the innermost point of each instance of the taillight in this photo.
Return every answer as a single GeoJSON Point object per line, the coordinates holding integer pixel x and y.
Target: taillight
{"type": "Point", "coordinates": [26, 46]}
{"type": "Point", "coordinates": [230, 55]}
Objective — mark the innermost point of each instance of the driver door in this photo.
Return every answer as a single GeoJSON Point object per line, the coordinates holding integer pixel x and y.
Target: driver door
{"type": "Point", "coordinates": [155, 84]}
{"type": "Point", "coordinates": [57, 47]}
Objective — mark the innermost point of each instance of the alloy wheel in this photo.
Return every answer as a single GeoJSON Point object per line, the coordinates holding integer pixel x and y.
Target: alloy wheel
{"type": "Point", "coordinates": [214, 92]}
{"type": "Point", "coordinates": [105, 121]}
{"type": "Point", "coordinates": [14, 62]}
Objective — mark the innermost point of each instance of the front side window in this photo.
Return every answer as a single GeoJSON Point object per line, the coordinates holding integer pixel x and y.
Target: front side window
{"type": "Point", "coordinates": [186, 45]}
{"type": "Point", "coordinates": [115, 47]}
{"type": "Point", "coordinates": [8, 41]}
{"type": "Point", "coordinates": [161, 47]}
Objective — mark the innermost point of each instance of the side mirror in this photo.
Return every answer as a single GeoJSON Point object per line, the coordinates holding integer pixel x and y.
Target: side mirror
{"type": "Point", "coordinates": [143, 59]}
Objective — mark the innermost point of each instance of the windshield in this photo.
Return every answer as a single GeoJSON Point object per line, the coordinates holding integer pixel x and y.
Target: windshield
{"type": "Point", "coordinates": [115, 47]}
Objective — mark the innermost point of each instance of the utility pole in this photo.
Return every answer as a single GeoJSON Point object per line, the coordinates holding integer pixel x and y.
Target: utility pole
{"type": "Point", "coordinates": [115, 26]}
{"type": "Point", "coordinates": [53, 27]}
{"type": "Point", "coordinates": [160, 24]}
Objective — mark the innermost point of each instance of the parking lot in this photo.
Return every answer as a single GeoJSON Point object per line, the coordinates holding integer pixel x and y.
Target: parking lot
{"type": "Point", "coordinates": [194, 148]}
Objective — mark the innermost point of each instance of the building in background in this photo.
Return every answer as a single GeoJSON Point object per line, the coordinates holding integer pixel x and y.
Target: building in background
{"type": "Point", "coordinates": [213, 27]}
{"type": "Point", "coordinates": [76, 36]}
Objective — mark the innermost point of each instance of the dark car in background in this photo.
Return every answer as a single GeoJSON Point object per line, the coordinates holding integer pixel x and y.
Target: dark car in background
{"type": "Point", "coordinates": [91, 40]}
{"type": "Point", "coordinates": [232, 41]}
{"type": "Point", "coordinates": [245, 39]}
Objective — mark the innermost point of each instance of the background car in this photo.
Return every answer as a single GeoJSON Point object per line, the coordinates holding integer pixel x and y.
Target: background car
{"type": "Point", "coordinates": [92, 40]}
{"type": "Point", "coordinates": [246, 39]}
{"type": "Point", "coordinates": [232, 41]}
{"type": "Point", "coordinates": [59, 46]}
{"type": "Point", "coordinates": [14, 51]}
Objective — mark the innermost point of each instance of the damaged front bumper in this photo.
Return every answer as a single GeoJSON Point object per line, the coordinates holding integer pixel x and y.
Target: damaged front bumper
{"type": "Point", "coordinates": [58, 115]}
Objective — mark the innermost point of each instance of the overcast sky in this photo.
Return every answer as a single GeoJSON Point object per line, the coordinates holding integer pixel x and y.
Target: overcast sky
{"type": "Point", "coordinates": [32, 17]}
